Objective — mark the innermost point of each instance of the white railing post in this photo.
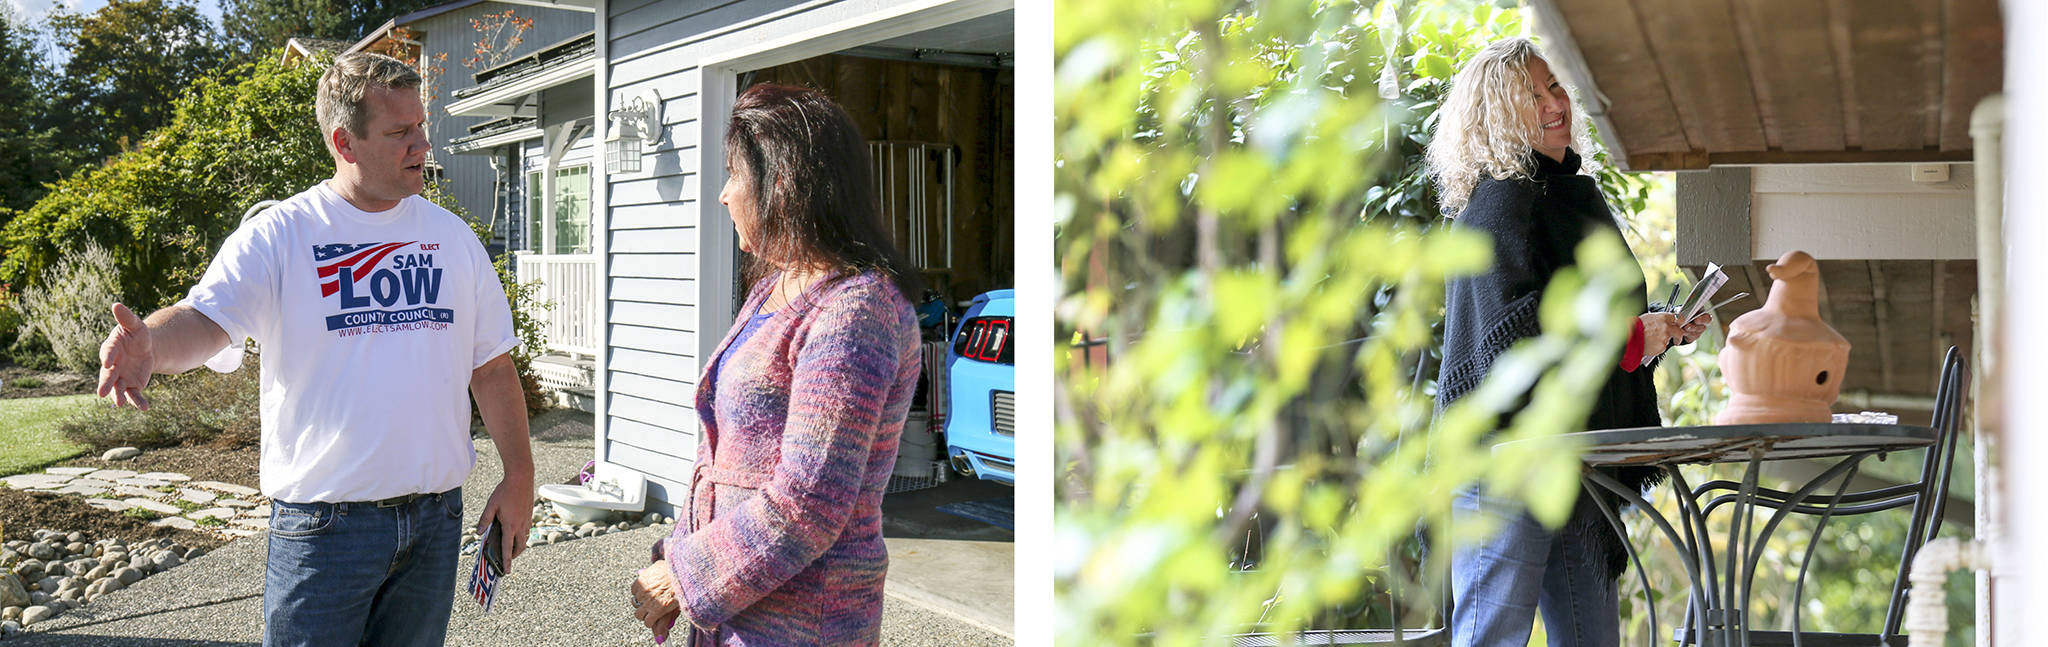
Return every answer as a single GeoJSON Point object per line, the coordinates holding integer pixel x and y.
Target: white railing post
{"type": "Point", "coordinates": [570, 282]}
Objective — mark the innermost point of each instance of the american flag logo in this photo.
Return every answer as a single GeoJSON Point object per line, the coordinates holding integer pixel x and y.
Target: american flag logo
{"type": "Point", "coordinates": [331, 258]}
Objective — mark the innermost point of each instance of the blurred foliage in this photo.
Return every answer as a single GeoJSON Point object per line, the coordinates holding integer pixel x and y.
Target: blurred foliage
{"type": "Point", "coordinates": [1242, 219]}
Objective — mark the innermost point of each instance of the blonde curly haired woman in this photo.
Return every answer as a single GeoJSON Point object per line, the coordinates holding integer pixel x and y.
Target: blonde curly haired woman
{"type": "Point", "coordinates": [1504, 163]}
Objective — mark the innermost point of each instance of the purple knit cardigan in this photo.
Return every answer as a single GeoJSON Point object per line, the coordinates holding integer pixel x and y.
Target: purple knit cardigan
{"type": "Point", "coordinates": [783, 542]}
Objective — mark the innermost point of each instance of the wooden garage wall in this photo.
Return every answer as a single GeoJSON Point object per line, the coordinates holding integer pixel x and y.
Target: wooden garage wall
{"type": "Point", "coordinates": [968, 108]}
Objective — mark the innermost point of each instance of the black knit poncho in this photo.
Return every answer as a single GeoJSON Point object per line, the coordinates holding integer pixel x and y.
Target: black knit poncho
{"type": "Point", "coordinates": [1536, 225]}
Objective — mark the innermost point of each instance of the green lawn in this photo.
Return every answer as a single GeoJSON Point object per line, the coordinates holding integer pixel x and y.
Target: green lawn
{"type": "Point", "coordinates": [28, 432]}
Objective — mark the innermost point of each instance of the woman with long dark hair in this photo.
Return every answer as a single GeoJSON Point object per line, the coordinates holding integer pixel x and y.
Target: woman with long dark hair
{"type": "Point", "coordinates": [801, 407]}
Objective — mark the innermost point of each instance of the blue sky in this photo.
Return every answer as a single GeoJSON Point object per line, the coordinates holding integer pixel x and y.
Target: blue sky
{"type": "Point", "coordinates": [35, 10]}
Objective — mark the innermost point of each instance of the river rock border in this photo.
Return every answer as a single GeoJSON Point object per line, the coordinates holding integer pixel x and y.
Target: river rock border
{"type": "Point", "coordinates": [550, 528]}
{"type": "Point", "coordinates": [58, 572]}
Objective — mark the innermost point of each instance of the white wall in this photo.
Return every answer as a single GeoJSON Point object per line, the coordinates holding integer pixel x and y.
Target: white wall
{"type": "Point", "coordinates": [1862, 211]}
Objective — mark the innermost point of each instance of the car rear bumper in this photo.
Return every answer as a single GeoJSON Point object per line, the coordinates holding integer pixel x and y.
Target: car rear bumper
{"type": "Point", "coordinates": [984, 466]}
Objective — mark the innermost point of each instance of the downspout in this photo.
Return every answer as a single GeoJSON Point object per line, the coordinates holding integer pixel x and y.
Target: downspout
{"type": "Point", "coordinates": [1926, 602]}
{"type": "Point", "coordinates": [1987, 132]}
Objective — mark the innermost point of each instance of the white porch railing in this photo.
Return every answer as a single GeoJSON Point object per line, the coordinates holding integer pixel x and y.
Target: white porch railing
{"type": "Point", "coordinates": [570, 281]}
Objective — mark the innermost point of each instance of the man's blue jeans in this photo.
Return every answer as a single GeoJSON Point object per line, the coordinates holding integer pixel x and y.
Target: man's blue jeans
{"type": "Point", "coordinates": [1498, 585]}
{"type": "Point", "coordinates": [351, 574]}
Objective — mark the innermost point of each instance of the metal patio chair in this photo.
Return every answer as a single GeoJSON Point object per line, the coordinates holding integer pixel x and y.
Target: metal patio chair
{"type": "Point", "coordinates": [1927, 497]}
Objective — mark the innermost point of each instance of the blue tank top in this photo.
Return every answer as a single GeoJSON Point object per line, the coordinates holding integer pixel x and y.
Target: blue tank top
{"type": "Point", "coordinates": [747, 331]}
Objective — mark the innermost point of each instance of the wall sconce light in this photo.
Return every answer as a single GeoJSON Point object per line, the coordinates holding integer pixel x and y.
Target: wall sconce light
{"type": "Point", "coordinates": [634, 122]}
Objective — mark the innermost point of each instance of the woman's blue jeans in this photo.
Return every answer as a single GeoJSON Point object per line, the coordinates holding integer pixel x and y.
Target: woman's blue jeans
{"type": "Point", "coordinates": [1498, 585]}
{"type": "Point", "coordinates": [346, 574]}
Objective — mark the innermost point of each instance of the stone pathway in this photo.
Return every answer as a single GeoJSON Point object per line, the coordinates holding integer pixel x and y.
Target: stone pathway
{"type": "Point", "coordinates": [174, 499]}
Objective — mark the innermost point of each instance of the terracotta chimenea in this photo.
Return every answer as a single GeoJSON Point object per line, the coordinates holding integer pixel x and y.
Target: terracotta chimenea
{"type": "Point", "coordinates": [1782, 363]}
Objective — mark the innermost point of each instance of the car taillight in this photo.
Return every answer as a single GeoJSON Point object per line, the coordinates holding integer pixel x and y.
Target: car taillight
{"type": "Point", "coordinates": [984, 338]}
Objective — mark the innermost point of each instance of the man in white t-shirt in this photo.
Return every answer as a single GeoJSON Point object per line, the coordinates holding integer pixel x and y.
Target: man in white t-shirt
{"type": "Point", "coordinates": [376, 311]}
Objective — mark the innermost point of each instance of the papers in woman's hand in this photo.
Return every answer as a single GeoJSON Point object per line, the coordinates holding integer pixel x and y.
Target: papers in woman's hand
{"type": "Point", "coordinates": [1702, 293]}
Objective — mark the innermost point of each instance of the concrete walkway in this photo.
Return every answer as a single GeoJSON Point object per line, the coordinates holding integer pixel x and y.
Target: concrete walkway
{"type": "Point", "coordinates": [950, 590]}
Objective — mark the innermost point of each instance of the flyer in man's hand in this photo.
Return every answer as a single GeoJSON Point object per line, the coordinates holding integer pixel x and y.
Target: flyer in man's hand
{"type": "Point", "coordinates": [490, 566]}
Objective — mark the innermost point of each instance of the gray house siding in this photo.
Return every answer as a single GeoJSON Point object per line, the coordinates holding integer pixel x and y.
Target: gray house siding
{"type": "Point", "coordinates": [668, 256]}
{"type": "Point", "coordinates": [470, 178]}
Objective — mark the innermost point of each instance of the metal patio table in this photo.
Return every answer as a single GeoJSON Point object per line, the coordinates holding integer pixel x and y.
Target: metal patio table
{"type": "Point", "coordinates": [1720, 598]}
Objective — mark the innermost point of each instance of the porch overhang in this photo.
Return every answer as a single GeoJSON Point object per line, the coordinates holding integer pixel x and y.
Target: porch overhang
{"type": "Point", "coordinates": [518, 98]}
{"type": "Point", "coordinates": [513, 89]}
{"type": "Point", "coordinates": [491, 135]}
{"type": "Point", "coordinates": [1684, 85]}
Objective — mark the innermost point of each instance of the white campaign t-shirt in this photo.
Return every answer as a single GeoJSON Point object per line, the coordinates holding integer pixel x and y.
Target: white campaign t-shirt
{"type": "Point", "coordinates": [370, 325]}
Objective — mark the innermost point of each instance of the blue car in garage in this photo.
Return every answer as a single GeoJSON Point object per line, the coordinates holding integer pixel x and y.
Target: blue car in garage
{"type": "Point", "coordinates": [982, 383]}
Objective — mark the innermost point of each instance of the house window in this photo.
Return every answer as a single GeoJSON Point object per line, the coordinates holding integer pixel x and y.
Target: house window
{"type": "Point", "coordinates": [536, 201]}
{"type": "Point", "coordinates": [572, 210]}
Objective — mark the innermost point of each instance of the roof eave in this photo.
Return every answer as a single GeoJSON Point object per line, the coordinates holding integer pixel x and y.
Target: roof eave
{"type": "Point", "coordinates": [478, 105]}
{"type": "Point", "coordinates": [1547, 23]}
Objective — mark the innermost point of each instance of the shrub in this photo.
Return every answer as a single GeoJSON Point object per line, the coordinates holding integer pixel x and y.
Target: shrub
{"type": "Point", "coordinates": [70, 310]}
{"type": "Point", "coordinates": [18, 345]}
{"type": "Point", "coordinates": [163, 208]}
{"type": "Point", "coordinates": [197, 408]}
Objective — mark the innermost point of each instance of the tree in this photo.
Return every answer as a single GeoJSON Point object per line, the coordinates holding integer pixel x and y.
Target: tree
{"type": "Point", "coordinates": [498, 38]}
{"type": "Point", "coordinates": [259, 25]}
{"type": "Point", "coordinates": [164, 207]}
{"type": "Point", "coordinates": [26, 160]}
{"type": "Point", "coordinates": [128, 62]}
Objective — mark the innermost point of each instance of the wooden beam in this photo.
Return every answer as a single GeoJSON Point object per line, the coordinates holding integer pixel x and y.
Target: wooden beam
{"type": "Point", "coordinates": [1799, 96]}
{"type": "Point", "coordinates": [1696, 160]}
{"type": "Point", "coordinates": [1605, 56]}
{"type": "Point", "coordinates": [1972, 64]}
{"type": "Point", "coordinates": [1569, 65]}
{"type": "Point", "coordinates": [1686, 161]}
{"type": "Point", "coordinates": [1702, 60]}
{"type": "Point", "coordinates": [1845, 77]}
{"type": "Point", "coordinates": [1713, 217]}
{"type": "Point", "coordinates": [1891, 62]}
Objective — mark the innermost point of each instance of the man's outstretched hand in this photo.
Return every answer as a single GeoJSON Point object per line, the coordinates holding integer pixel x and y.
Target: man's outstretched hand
{"type": "Point", "coordinates": [126, 360]}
